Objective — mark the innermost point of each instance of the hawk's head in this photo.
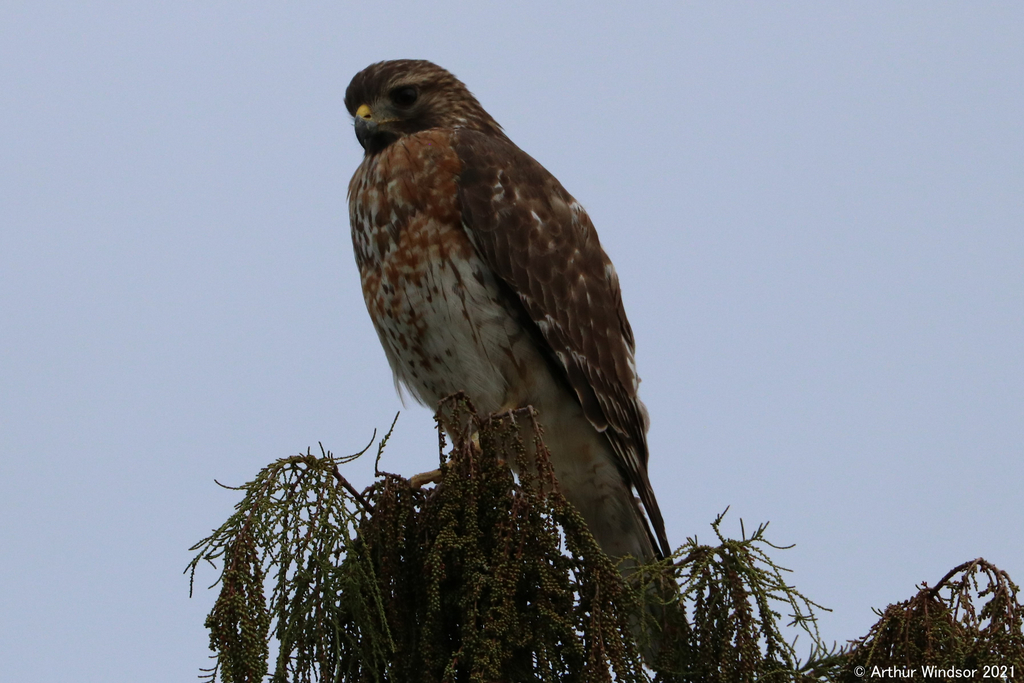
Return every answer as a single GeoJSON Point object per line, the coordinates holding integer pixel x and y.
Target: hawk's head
{"type": "Point", "coordinates": [404, 96]}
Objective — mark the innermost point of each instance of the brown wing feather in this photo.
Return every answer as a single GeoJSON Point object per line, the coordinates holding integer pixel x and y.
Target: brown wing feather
{"type": "Point", "coordinates": [542, 244]}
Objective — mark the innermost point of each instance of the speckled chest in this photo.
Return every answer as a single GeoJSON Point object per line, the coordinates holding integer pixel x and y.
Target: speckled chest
{"type": "Point", "coordinates": [435, 304]}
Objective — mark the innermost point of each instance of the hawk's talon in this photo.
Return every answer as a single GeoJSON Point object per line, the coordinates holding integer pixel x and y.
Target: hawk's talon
{"type": "Point", "coordinates": [418, 481]}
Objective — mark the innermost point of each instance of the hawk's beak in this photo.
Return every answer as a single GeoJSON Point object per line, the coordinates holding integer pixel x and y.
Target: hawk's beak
{"type": "Point", "coordinates": [366, 127]}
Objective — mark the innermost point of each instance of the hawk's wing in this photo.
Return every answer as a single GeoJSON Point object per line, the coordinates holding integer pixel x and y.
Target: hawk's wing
{"type": "Point", "coordinates": [542, 244]}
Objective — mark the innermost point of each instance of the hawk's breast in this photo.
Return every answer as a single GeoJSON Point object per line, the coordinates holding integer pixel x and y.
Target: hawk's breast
{"type": "Point", "coordinates": [441, 317]}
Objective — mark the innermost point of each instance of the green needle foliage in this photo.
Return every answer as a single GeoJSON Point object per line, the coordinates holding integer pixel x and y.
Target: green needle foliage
{"type": "Point", "coordinates": [732, 591]}
{"type": "Point", "coordinates": [291, 531]}
{"type": "Point", "coordinates": [492, 577]}
{"type": "Point", "coordinates": [484, 577]}
{"type": "Point", "coordinates": [943, 627]}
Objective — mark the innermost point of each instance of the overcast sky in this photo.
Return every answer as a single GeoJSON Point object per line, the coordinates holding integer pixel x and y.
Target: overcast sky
{"type": "Point", "coordinates": [816, 211]}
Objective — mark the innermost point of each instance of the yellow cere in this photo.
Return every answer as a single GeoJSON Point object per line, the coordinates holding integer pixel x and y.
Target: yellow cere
{"type": "Point", "coordinates": [364, 112]}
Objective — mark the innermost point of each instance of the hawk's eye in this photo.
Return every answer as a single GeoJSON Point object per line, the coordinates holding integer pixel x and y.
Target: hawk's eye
{"type": "Point", "coordinates": [404, 96]}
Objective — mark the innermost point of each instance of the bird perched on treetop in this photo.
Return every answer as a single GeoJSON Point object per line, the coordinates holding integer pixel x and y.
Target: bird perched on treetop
{"type": "Point", "coordinates": [483, 275]}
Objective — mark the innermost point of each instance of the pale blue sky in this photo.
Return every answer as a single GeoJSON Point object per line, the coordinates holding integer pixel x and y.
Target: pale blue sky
{"type": "Point", "coordinates": [816, 211]}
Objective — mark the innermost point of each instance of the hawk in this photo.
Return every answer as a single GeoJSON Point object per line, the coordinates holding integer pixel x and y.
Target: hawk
{"type": "Point", "coordinates": [483, 275]}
